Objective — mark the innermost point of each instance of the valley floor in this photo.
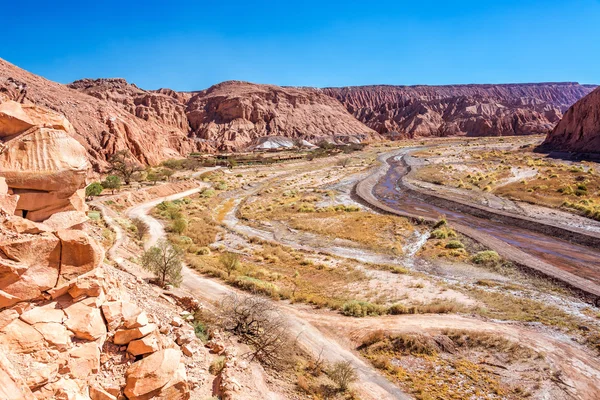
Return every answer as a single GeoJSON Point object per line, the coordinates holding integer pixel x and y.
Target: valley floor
{"type": "Point", "coordinates": [418, 307]}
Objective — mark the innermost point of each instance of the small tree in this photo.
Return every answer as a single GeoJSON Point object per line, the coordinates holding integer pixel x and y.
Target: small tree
{"type": "Point", "coordinates": [141, 228]}
{"type": "Point", "coordinates": [153, 176]}
{"type": "Point", "coordinates": [164, 261]}
{"type": "Point", "coordinates": [93, 189]}
{"type": "Point", "coordinates": [345, 162]}
{"type": "Point", "coordinates": [230, 261]}
{"type": "Point", "coordinates": [122, 164]}
{"type": "Point", "coordinates": [342, 374]}
{"type": "Point", "coordinates": [112, 182]}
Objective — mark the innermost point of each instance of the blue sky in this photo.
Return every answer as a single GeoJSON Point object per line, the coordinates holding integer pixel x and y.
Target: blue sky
{"type": "Point", "coordinates": [192, 45]}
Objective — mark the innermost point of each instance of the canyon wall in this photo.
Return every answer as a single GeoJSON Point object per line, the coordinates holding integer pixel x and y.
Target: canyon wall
{"type": "Point", "coordinates": [579, 129]}
{"type": "Point", "coordinates": [473, 110]}
{"type": "Point", "coordinates": [233, 114]}
{"type": "Point", "coordinates": [151, 130]}
{"type": "Point", "coordinates": [109, 115]}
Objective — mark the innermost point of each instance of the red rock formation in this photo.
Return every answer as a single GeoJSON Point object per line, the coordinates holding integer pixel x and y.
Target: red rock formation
{"type": "Point", "coordinates": [475, 110]}
{"type": "Point", "coordinates": [579, 130]}
{"type": "Point", "coordinates": [233, 114]}
{"type": "Point", "coordinates": [150, 125]}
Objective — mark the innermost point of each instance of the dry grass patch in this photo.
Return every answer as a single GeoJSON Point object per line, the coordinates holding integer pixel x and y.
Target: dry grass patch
{"type": "Point", "coordinates": [453, 364]}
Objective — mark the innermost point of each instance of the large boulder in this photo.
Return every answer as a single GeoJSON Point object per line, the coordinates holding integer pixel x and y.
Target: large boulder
{"type": "Point", "coordinates": [20, 337]}
{"type": "Point", "coordinates": [158, 376]}
{"type": "Point", "coordinates": [85, 322]}
{"type": "Point", "coordinates": [40, 161]}
{"type": "Point", "coordinates": [13, 119]}
{"type": "Point", "coordinates": [79, 254]}
{"type": "Point", "coordinates": [29, 265]}
{"type": "Point", "coordinates": [12, 385]}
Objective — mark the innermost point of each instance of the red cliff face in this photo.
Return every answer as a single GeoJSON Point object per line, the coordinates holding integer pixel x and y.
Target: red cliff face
{"type": "Point", "coordinates": [232, 114]}
{"type": "Point", "coordinates": [579, 130]}
{"type": "Point", "coordinates": [474, 110]}
{"type": "Point", "coordinates": [152, 126]}
{"type": "Point", "coordinates": [109, 115]}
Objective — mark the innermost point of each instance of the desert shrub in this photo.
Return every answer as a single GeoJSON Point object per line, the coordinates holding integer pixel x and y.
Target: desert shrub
{"type": "Point", "coordinates": [342, 374]}
{"type": "Point", "coordinates": [414, 344]}
{"type": "Point", "coordinates": [207, 193]}
{"type": "Point", "coordinates": [230, 261]}
{"type": "Point", "coordinates": [178, 226]}
{"type": "Point", "coordinates": [306, 208]}
{"type": "Point", "coordinates": [203, 251]}
{"type": "Point", "coordinates": [217, 365]}
{"type": "Point", "coordinates": [455, 244]}
{"type": "Point", "coordinates": [355, 308]}
{"type": "Point", "coordinates": [486, 257]}
{"type": "Point", "coordinates": [440, 223]}
{"type": "Point", "coordinates": [399, 309]}
{"type": "Point", "coordinates": [259, 324]}
{"type": "Point", "coordinates": [373, 337]}
{"type": "Point", "coordinates": [439, 234]}
{"type": "Point", "coordinates": [256, 286]}
{"type": "Point", "coordinates": [201, 331]}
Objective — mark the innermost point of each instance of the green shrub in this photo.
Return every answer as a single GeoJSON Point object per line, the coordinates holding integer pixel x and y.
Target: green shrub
{"type": "Point", "coordinates": [207, 193]}
{"type": "Point", "coordinates": [487, 257]}
{"type": "Point", "coordinates": [179, 226]}
{"type": "Point", "coordinates": [256, 286]}
{"type": "Point", "coordinates": [455, 244]}
{"type": "Point", "coordinates": [201, 331]}
{"type": "Point", "coordinates": [439, 234]}
{"type": "Point", "coordinates": [355, 308]}
{"type": "Point", "coordinates": [217, 365]}
{"type": "Point", "coordinates": [203, 251]}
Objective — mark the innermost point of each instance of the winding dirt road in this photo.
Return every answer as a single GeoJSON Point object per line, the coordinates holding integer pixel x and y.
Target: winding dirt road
{"type": "Point", "coordinates": [372, 385]}
{"type": "Point", "coordinates": [336, 336]}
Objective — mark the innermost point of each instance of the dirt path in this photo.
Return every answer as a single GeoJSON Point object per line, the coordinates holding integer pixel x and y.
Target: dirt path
{"type": "Point", "coordinates": [372, 385]}
{"type": "Point", "coordinates": [337, 335]}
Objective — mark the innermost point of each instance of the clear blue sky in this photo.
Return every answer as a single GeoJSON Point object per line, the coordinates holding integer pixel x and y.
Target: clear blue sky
{"type": "Point", "coordinates": [193, 44]}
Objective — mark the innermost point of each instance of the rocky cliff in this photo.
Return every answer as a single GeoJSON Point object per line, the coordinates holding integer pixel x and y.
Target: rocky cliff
{"type": "Point", "coordinates": [67, 329]}
{"type": "Point", "coordinates": [151, 125]}
{"type": "Point", "coordinates": [579, 130]}
{"type": "Point", "coordinates": [474, 110]}
{"type": "Point", "coordinates": [109, 115]}
{"type": "Point", "coordinates": [233, 114]}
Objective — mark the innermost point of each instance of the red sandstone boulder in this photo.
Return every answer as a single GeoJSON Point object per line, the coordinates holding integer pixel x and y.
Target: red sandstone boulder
{"type": "Point", "coordinates": [20, 337]}
{"type": "Point", "coordinates": [85, 322]}
{"type": "Point", "coordinates": [158, 376]}
{"type": "Point", "coordinates": [79, 254]}
{"type": "Point", "coordinates": [29, 265]}
{"type": "Point", "coordinates": [12, 385]}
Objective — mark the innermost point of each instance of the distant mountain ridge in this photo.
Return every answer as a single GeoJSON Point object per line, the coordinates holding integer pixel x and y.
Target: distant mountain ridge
{"type": "Point", "coordinates": [111, 114]}
{"type": "Point", "coordinates": [473, 110]}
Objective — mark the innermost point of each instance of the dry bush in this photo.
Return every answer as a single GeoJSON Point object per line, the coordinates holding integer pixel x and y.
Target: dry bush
{"type": "Point", "coordinates": [258, 323]}
{"type": "Point", "coordinates": [342, 374]}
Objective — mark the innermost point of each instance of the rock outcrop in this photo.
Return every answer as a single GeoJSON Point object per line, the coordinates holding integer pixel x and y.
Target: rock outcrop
{"type": "Point", "coordinates": [233, 114]}
{"type": "Point", "coordinates": [151, 125]}
{"type": "Point", "coordinates": [62, 319]}
{"type": "Point", "coordinates": [473, 110]}
{"type": "Point", "coordinates": [109, 115]}
{"type": "Point", "coordinates": [579, 130]}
